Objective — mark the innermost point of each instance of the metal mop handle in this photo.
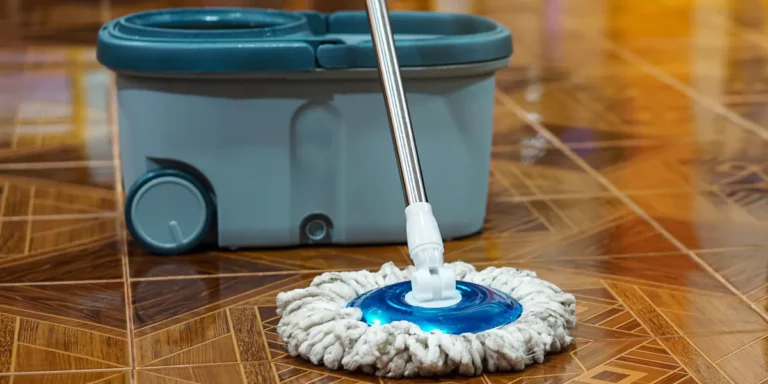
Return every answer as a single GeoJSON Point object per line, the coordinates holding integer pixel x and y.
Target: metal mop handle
{"type": "Point", "coordinates": [397, 105]}
{"type": "Point", "coordinates": [431, 282]}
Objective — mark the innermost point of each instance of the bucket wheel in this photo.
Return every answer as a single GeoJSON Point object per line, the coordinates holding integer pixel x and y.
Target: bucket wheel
{"type": "Point", "coordinates": [168, 212]}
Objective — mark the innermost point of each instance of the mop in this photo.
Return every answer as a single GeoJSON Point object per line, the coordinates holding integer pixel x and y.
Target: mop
{"type": "Point", "coordinates": [432, 318]}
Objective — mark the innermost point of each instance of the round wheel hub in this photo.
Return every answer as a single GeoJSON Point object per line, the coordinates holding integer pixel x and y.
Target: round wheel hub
{"type": "Point", "coordinates": [169, 212]}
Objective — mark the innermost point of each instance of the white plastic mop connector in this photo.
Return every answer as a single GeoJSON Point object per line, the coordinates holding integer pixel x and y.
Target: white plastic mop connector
{"type": "Point", "coordinates": [433, 285]}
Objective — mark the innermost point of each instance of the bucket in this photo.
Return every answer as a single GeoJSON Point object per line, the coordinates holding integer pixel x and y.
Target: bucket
{"type": "Point", "coordinates": [264, 128]}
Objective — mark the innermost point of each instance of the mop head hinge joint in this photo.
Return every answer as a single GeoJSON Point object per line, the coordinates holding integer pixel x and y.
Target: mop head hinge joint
{"type": "Point", "coordinates": [433, 285]}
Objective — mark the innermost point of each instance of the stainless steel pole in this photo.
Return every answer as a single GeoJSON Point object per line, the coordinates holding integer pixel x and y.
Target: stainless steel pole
{"type": "Point", "coordinates": [396, 103]}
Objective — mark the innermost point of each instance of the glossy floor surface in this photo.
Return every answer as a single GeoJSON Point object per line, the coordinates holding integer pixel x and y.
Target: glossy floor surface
{"type": "Point", "coordinates": [630, 167]}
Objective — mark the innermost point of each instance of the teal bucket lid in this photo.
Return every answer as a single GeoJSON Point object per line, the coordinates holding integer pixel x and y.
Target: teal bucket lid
{"type": "Point", "coordinates": [232, 40]}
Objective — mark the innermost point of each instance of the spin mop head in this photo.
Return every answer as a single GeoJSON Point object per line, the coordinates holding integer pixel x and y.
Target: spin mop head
{"type": "Point", "coordinates": [342, 320]}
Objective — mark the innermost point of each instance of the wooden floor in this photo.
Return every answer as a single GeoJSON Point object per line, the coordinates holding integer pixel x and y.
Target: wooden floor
{"type": "Point", "coordinates": [630, 167]}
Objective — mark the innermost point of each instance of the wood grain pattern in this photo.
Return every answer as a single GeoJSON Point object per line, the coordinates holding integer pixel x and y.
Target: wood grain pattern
{"type": "Point", "coordinates": [154, 378]}
{"type": "Point", "coordinates": [248, 333]}
{"type": "Point", "coordinates": [16, 200]}
{"type": "Point", "coordinates": [676, 269]}
{"type": "Point", "coordinates": [747, 365]}
{"type": "Point", "coordinates": [217, 351]}
{"type": "Point", "coordinates": [80, 233]}
{"type": "Point", "coordinates": [264, 374]}
{"type": "Point", "coordinates": [64, 321]}
{"type": "Point", "coordinates": [231, 373]}
{"type": "Point", "coordinates": [36, 359]}
{"type": "Point", "coordinates": [145, 265]}
{"type": "Point", "coordinates": [698, 366]}
{"type": "Point", "coordinates": [171, 301]}
{"type": "Point", "coordinates": [74, 341]}
{"type": "Point", "coordinates": [57, 200]}
{"type": "Point", "coordinates": [95, 177]}
{"type": "Point", "coordinates": [83, 261]}
{"type": "Point", "coordinates": [74, 377]}
{"type": "Point", "coordinates": [7, 341]}
{"type": "Point", "coordinates": [98, 303]}
{"type": "Point", "coordinates": [176, 339]}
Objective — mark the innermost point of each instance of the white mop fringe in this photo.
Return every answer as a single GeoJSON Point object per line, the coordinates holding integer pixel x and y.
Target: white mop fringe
{"type": "Point", "coordinates": [317, 326]}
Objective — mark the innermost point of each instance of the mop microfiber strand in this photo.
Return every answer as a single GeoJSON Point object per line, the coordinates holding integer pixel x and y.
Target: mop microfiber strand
{"type": "Point", "coordinates": [317, 325]}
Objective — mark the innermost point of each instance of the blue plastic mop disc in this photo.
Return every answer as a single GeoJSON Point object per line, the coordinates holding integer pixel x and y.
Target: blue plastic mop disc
{"type": "Point", "coordinates": [480, 309]}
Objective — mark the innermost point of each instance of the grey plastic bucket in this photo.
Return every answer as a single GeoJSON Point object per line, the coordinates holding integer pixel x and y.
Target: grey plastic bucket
{"type": "Point", "coordinates": [268, 128]}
